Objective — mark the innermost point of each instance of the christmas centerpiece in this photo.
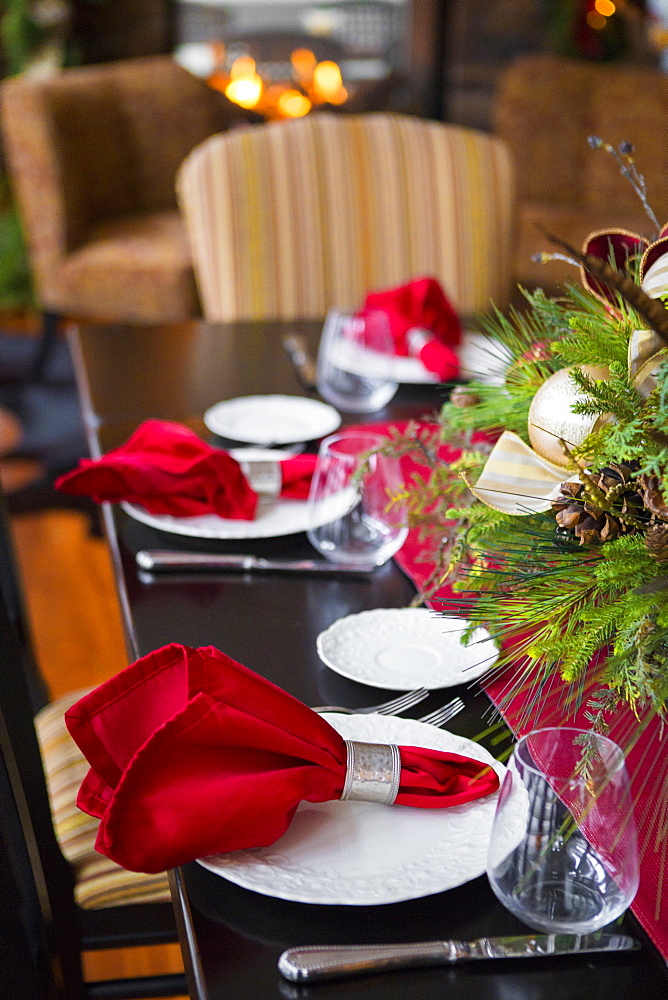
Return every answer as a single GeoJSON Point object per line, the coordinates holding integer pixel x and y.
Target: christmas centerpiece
{"type": "Point", "coordinates": [548, 524]}
{"type": "Point", "coordinates": [551, 527]}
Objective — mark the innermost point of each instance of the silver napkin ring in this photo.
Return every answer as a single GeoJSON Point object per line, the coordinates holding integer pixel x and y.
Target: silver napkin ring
{"type": "Point", "coordinates": [416, 339]}
{"type": "Point", "coordinates": [263, 477]}
{"type": "Point", "coordinates": [373, 771]}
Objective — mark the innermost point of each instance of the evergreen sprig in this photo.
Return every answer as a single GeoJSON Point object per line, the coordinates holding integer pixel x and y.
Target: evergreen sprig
{"type": "Point", "coordinates": [598, 336]}
{"type": "Point", "coordinates": [614, 395]}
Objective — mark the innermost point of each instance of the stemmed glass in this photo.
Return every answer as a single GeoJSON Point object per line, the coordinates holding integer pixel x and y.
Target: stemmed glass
{"type": "Point", "coordinates": [563, 850]}
{"type": "Point", "coordinates": [354, 358]}
{"type": "Point", "coordinates": [356, 511]}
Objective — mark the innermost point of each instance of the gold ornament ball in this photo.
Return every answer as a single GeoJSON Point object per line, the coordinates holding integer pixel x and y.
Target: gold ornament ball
{"type": "Point", "coordinates": [551, 418]}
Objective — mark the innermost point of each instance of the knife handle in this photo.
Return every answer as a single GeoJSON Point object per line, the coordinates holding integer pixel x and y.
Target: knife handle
{"type": "Point", "coordinates": [157, 559]}
{"type": "Point", "coordinates": [302, 361]}
{"type": "Point", "coordinates": [317, 962]}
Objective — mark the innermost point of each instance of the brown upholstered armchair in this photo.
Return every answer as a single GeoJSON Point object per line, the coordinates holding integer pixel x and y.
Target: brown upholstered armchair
{"type": "Point", "coordinates": [546, 107]}
{"type": "Point", "coordinates": [92, 154]}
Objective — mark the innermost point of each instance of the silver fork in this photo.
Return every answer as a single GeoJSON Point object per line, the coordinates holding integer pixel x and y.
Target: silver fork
{"type": "Point", "coordinates": [443, 714]}
{"type": "Point", "coordinates": [392, 707]}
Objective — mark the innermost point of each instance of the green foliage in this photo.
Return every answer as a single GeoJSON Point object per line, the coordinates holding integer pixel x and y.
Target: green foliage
{"type": "Point", "coordinates": [596, 336]}
{"type": "Point", "coordinates": [558, 605]}
{"type": "Point", "coordinates": [614, 395]}
{"type": "Point", "coordinates": [570, 35]}
{"type": "Point", "coordinates": [497, 408]}
{"type": "Point", "coordinates": [20, 35]}
{"type": "Point", "coordinates": [15, 280]}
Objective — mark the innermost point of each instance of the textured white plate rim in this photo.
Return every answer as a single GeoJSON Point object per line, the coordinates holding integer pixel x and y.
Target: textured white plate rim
{"type": "Point", "coordinates": [281, 871]}
{"type": "Point", "coordinates": [276, 517]}
{"type": "Point", "coordinates": [412, 678]}
{"type": "Point", "coordinates": [250, 454]}
{"type": "Point", "coordinates": [319, 418]}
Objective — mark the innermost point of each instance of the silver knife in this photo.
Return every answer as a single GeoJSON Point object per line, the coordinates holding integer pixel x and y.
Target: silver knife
{"type": "Point", "coordinates": [302, 361]}
{"type": "Point", "coordinates": [165, 560]}
{"type": "Point", "coordinates": [317, 962]}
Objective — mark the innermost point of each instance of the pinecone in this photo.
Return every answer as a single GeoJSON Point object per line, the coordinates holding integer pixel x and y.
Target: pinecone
{"type": "Point", "coordinates": [583, 518]}
{"type": "Point", "coordinates": [650, 490]}
{"type": "Point", "coordinates": [656, 540]}
{"type": "Point", "coordinates": [579, 512]}
{"type": "Point", "coordinates": [613, 479]}
{"type": "Point", "coordinates": [462, 397]}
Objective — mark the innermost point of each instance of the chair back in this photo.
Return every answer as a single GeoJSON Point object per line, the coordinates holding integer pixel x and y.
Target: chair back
{"type": "Point", "coordinates": [13, 601]}
{"type": "Point", "coordinates": [288, 219]}
{"type": "Point", "coordinates": [26, 969]}
{"type": "Point", "coordinates": [545, 108]}
{"type": "Point", "coordinates": [92, 144]}
{"type": "Point", "coordinates": [47, 914]}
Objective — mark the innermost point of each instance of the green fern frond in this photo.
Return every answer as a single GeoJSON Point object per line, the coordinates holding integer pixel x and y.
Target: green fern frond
{"type": "Point", "coordinates": [616, 395]}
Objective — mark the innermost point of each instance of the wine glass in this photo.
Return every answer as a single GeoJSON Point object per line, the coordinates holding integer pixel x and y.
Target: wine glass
{"type": "Point", "coordinates": [563, 850]}
{"type": "Point", "coordinates": [354, 361]}
{"type": "Point", "coordinates": [356, 512]}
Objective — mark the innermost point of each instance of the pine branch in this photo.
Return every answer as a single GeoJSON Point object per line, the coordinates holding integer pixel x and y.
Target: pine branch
{"type": "Point", "coordinates": [615, 394]}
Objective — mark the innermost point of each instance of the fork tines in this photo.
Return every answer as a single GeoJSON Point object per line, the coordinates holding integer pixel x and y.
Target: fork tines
{"type": "Point", "coordinates": [396, 705]}
{"type": "Point", "coordinates": [444, 713]}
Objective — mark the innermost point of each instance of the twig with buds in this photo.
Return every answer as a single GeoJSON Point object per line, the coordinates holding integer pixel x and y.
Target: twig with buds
{"type": "Point", "coordinates": [628, 170]}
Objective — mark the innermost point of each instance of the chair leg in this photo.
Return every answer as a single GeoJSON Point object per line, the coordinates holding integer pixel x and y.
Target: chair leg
{"type": "Point", "coordinates": [47, 339]}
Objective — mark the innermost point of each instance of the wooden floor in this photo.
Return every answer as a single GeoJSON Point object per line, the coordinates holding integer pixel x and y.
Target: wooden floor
{"type": "Point", "coordinates": [76, 628]}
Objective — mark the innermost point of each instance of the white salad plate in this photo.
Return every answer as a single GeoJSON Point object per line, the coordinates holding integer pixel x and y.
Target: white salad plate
{"type": "Point", "coordinates": [405, 648]}
{"type": "Point", "coordinates": [362, 853]}
{"type": "Point", "coordinates": [265, 420]}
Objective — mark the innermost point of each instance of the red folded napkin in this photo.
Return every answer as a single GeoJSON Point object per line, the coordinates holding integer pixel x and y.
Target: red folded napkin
{"type": "Point", "coordinates": [296, 475]}
{"type": "Point", "coordinates": [421, 305]}
{"type": "Point", "coordinates": [168, 469]}
{"type": "Point", "coordinates": [193, 754]}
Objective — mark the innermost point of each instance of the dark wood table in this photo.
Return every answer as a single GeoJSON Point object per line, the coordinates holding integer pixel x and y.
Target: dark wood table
{"type": "Point", "coordinates": [232, 937]}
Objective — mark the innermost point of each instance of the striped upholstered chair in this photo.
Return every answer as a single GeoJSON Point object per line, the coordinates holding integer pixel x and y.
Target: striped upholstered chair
{"type": "Point", "coordinates": [288, 219]}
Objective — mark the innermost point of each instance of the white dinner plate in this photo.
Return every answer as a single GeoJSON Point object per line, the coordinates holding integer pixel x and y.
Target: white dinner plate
{"type": "Point", "coordinates": [362, 853]}
{"type": "Point", "coordinates": [274, 516]}
{"type": "Point", "coordinates": [479, 356]}
{"type": "Point", "coordinates": [355, 358]}
{"type": "Point", "coordinates": [482, 358]}
{"type": "Point", "coordinates": [274, 419]}
{"type": "Point", "coordinates": [405, 648]}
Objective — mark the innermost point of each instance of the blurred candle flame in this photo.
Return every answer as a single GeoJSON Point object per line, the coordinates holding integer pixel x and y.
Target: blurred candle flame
{"type": "Point", "coordinates": [303, 63]}
{"type": "Point", "coordinates": [293, 104]}
{"type": "Point", "coordinates": [327, 82]}
{"type": "Point", "coordinates": [315, 83]}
